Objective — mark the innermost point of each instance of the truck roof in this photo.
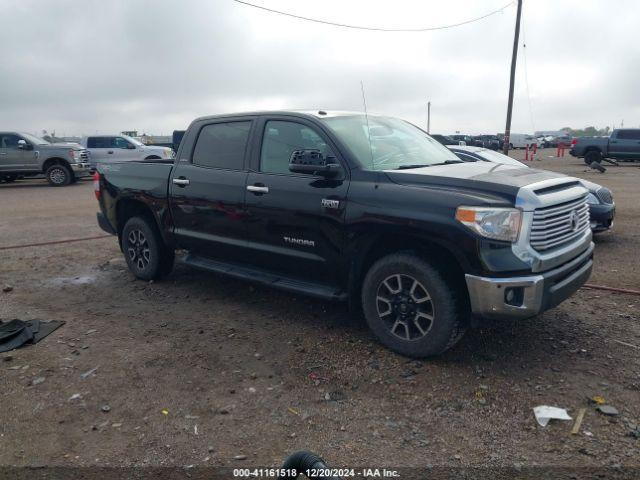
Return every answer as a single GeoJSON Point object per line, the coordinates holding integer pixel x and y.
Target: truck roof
{"type": "Point", "coordinates": [299, 113]}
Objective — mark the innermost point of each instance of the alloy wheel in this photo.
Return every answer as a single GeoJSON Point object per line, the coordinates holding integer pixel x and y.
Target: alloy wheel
{"type": "Point", "coordinates": [138, 249]}
{"type": "Point", "coordinates": [406, 307]}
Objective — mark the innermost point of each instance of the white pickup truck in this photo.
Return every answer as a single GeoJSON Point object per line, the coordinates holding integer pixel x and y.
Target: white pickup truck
{"type": "Point", "coordinates": [118, 148]}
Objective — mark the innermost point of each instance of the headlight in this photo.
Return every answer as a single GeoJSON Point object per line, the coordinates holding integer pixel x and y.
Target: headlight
{"type": "Point", "coordinates": [592, 199]}
{"type": "Point", "coordinates": [73, 154]}
{"type": "Point", "coordinates": [494, 223]}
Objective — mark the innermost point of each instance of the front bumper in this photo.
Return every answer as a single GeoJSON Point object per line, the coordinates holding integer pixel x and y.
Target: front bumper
{"type": "Point", "coordinates": [80, 169]}
{"type": "Point", "coordinates": [528, 296]}
{"type": "Point", "coordinates": [602, 216]}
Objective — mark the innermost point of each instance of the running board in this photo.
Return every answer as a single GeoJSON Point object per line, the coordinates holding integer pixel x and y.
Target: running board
{"type": "Point", "coordinates": [260, 276]}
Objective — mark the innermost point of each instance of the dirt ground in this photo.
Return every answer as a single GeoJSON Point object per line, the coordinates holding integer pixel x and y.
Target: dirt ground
{"type": "Point", "coordinates": [199, 369]}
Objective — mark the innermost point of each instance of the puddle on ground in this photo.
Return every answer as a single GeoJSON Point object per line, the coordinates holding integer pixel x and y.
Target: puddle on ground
{"type": "Point", "coordinates": [77, 280]}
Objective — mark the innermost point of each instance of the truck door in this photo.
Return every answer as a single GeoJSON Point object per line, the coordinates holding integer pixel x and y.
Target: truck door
{"type": "Point", "coordinates": [295, 221]}
{"type": "Point", "coordinates": [207, 189]}
{"type": "Point", "coordinates": [11, 157]}
{"type": "Point", "coordinates": [625, 144]}
{"type": "Point", "coordinates": [99, 148]}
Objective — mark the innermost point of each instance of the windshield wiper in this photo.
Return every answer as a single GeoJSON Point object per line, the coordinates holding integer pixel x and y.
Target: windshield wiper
{"type": "Point", "coordinates": [450, 162]}
{"type": "Point", "coordinates": [407, 167]}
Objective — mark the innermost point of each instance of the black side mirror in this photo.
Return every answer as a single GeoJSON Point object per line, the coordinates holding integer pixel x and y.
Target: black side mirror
{"type": "Point", "coordinates": [130, 146]}
{"type": "Point", "coordinates": [313, 162]}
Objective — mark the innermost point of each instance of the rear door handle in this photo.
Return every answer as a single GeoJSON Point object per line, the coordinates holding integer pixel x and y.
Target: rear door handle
{"type": "Point", "coordinates": [181, 182]}
{"type": "Point", "coordinates": [258, 189]}
{"type": "Point", "coordinates": [3, 153]}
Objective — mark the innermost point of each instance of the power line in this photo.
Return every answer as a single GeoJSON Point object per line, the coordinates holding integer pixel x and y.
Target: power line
{"type": "Point", "coordinates": [377, 29]}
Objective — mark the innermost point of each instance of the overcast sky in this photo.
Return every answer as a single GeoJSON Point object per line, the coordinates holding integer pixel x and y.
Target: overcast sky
{"type": "Point", "coordinates": [86, 66]}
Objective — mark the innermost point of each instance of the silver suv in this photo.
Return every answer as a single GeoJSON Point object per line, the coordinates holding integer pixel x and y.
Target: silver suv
{"type": "Point", "coordinates": [24, 155]}
{"type": "Point", "coordinates": [117, 148]}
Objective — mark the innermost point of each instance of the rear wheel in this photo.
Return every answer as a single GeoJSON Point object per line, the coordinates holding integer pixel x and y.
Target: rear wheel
{"type": "Point", "coordinates": [592, 156]}
{"type": "Point", "coordinates": [58, 175]}
{"type": "Point", "coordinates": [144, 250]}
{"type": "Point", "coordinates": [409, 306]}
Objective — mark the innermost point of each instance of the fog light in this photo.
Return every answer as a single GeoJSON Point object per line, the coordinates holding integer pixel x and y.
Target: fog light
{"type": "Point", "coordinates": [514, 296]}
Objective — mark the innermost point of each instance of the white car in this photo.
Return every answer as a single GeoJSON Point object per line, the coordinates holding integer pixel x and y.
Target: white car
{"type": "Point", "coordinates": [521, 140]}
{"type": "Point", "coordinates": [111, 148]}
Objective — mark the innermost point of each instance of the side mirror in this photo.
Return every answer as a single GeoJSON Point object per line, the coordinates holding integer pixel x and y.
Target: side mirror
{"type": "Point", "coordinates": [23, 145]}
{"type": "Point", "coordinates": [312, 161]}
{"type": "Point", "coordinates": [130, 146]}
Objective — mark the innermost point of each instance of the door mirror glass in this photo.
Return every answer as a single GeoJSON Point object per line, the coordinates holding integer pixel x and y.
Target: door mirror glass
{"type": "Point", "coordinates": [23, 145]}
{"type": "Point", "coordinates": [313, 162]}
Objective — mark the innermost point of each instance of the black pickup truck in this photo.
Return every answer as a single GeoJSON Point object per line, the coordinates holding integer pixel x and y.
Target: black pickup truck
{"type": "Point", "coordinates": [367, 209]}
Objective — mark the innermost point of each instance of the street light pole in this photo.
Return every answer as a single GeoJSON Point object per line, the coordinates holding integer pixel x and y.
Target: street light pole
{"type": "Point", "coordinates": [514, 58]}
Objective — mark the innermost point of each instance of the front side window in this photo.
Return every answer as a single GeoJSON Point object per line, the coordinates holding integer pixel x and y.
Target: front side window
{"type": "Point", "coordinates": [281, 139]}
{"type": "Point", "coordinates": [222, 145]}
{"type": "Point", "coordinates": [9, 140]}
{"type": "Point", "coordinates": [119, 142]}
{"type": "Point", "coordinates": [385, 143]}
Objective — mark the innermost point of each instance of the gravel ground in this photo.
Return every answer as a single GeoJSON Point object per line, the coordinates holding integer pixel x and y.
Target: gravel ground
{"type": "Point", "coordinates": [198, 369]}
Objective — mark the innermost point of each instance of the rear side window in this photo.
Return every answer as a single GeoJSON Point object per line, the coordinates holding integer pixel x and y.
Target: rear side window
{"type": "Point", "coordinates": [629, 134]}
{"type": "Point", "coordinates": [100, 142]}
{"type": "Point", "coordinates": [222, 145]}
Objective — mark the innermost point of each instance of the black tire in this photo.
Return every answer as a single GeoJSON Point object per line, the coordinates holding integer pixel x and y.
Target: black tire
{"type": "Point", "coordinates": [592, 156]}
{"type": "Point", "coordinates": [59, 175]}
{"type": "Point", "coordinates": [144, 250]}
{"type": "Point", "coordinates": [407, 329]}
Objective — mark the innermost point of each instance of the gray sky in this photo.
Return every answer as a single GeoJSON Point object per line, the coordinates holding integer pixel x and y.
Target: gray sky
{"type": "Point", "coordinates": [81, 66]}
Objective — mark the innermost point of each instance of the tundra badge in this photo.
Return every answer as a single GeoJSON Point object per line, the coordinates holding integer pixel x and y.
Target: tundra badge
{"type": "Point", "coordinates": [326, 203]}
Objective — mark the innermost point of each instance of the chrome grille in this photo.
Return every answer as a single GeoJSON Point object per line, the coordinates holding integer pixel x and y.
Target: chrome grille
{"type": "Point", "coordinates": [604, 194]}
{"type": "Point", "coordinates": [559, 224]}
{"type": "Point", "coordinates": [84, 154]}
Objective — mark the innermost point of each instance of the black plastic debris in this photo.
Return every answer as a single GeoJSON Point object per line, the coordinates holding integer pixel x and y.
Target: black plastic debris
{"type": "Point", "coordinates": [16, 333]}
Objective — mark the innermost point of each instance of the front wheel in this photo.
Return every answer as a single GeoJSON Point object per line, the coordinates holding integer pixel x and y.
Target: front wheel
{"type": "Point", "coordinates": [410, 308]}
{"type": "Point", "coordinates": [144, 250]}
{"type": "Point", "coordinates": [59, 175]}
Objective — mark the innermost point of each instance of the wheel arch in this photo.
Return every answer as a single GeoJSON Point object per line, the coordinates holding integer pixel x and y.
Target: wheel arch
{"type": "Point", "coordinates": [370, 248]}
{"type": "Point", "coordinates": [54, 161]}
{"type": "Point", "coordinates": [128, 208]}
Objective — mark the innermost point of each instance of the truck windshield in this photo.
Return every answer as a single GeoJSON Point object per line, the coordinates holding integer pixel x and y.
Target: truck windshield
{"type": "Point", "coordinates": [385, 143]}
{"type": "Point", "coordinates": [35, 140]}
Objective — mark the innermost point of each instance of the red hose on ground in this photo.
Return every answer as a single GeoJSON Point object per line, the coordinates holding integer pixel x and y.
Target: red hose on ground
{"type": "Point", "coordinates": [611, 289]}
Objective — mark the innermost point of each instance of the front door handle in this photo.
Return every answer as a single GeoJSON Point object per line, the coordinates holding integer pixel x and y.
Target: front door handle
{"type": "Point", "coordinates": [258, 189]}
{"type": "Point", "coordinates": [3, 153]}
{"type": "Point", "coordinates": [110, 152]}
{"type": "Point", "coordinates": [181, 182]}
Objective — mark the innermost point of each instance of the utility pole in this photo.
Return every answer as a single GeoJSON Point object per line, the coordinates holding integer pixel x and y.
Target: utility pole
{"type": "Point", "coordinates": [429, 117]}
{"type": "Point", "coordinates": [514, 59]}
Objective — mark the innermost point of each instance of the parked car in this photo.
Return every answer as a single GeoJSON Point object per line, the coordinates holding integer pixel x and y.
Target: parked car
{"type": "Point", "coordinates": [602, 208]}
{"type": "Point", "coordinates": [467, 139]}
{"type": "Point", "coordinates": [25, 155]}
{"type": "Point", "coordinates": [109, 148]}
{"type": "Point", "coordinates": [444, 139]}
{"type": "Point", "coordinates": [369, 210]}
{"type": "Point", "coordinates": [488, 141]}
{"type": "Point", "coordinates": [623, 144]}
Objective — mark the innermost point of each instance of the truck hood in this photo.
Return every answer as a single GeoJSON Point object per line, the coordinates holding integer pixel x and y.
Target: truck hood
{"type": "Point", "coordinates": [474, 176]}
{"type": "Point", "coordinates": [63, 146]}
